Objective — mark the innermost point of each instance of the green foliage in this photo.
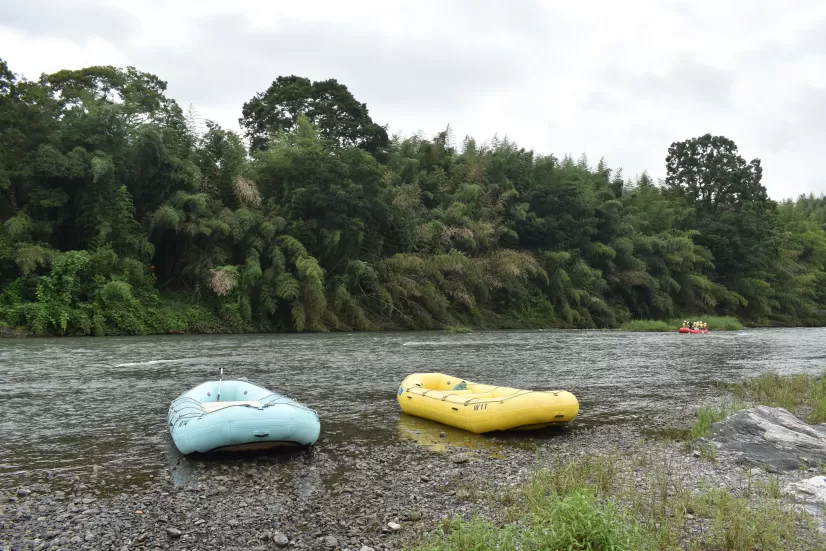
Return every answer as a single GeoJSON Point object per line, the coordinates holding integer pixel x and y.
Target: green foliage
{"type": "Point", "coordinates": [607, 503]}
{"type": "Point", "coordinates": [327, 104]}
{"type": "Point", "coordinates": [802, 395]}
{"type": "Point", "coordinates": [112, 201]}
{"type": "Point", "coordinates": [648, 325]}
{"type": "Point", "coordinates": [707, 417]}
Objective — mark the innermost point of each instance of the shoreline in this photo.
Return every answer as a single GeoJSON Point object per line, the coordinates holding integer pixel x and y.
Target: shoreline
{"type": "Point", "coordinates": [339, 496]}
{"type": "Point", "coordinates": [7, 333]}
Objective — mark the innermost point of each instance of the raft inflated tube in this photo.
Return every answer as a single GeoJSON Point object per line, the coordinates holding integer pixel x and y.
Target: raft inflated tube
{"type": "Point", "coordinates": [483, 408]}
{"type": "Point", "coordinates": [248, 417]}
{"type": "Point", "coordinates": [687, 330]}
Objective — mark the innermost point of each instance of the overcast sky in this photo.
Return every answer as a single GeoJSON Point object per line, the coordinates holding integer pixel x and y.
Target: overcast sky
{"type": "Point", "coordinates": [615, 79]}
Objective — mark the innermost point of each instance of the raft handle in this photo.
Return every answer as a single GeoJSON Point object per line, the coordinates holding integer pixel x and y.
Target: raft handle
{"type": "Point", "coordinates": [455, 409]}
{"type": "Point", "coordinates": [260, 434]}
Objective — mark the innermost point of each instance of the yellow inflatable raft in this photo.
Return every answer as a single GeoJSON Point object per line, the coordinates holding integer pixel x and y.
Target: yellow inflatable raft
{"type": "Point", "coordinates": [483, 408]}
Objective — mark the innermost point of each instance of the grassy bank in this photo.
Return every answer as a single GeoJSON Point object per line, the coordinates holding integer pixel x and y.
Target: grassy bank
{"type": "Point", "coordinates": [715, 323]}
{"type": "Point", "coordinates": [609, 502]}
{"type": "Point", "coordinates": [802, 395]}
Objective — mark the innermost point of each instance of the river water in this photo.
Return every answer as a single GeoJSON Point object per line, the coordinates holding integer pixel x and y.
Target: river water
{"type": "Point", "coordinates": [72, 403]}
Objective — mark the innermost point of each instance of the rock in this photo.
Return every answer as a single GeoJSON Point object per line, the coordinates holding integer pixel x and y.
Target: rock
{"type": "Point", "coordinates": [755, 471]}
{"type": "Point", "coordinates": [696, 453]}
{"type": "Point", "coordinates": [459, 458]}
{"type": "Point", "coordinates": [365, 548]}
{"type": "Point", "coordinates": [174, 532]}
{"type": "Point", "coordinates": [281, 540]}
{"type": "Point", "coordinates": [329, 541]}
{"type": "Point", "coordinates": [414, 516]}
{"type": "Point", "coordinates": [394, 526]}
{"type": "Point", "coordinates": [771, 438]}
{"type": "Point", "coordinates": [23, 492]}
{"type": "Point", "coordinates": [810, 494]}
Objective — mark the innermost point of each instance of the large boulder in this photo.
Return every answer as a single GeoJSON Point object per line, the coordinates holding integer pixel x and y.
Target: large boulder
{"type": "Point", "coordinates": [771, 438]}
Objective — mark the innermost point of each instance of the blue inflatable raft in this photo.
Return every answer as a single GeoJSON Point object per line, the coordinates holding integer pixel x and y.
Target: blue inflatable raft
{"type": "Point", "coordinates": [236, 416]}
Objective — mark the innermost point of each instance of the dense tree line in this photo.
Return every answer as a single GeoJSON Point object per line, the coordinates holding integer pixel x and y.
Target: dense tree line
{"type": "Point", "coordinates": [120, 214]}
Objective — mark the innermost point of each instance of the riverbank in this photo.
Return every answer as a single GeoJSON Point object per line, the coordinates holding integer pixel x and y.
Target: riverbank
{"type": "Point", "coordinates": [194, 320]}
{"type": "Point", "coordinates": [430, 491]}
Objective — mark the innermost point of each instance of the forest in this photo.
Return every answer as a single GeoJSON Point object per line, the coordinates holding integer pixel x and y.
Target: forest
{"type": "Point", "coordinates": [122, 214]}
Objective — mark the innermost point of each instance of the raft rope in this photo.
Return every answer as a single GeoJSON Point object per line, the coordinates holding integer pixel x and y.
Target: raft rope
{"type": "Point", "coordinates": [192, 406]}
{"type": "Point", "coordinates": [519, 392]}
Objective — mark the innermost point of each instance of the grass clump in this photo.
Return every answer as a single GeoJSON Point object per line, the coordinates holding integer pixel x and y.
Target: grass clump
{"type": "Point", "coordinates": [721, 323]}
{"type": "Point", "coordinates": [802, 395]}
{"type": "Point", "coordinates": [649, 326]}
{"type": "Point", "coordinates": [606, 503]}
{"type": "Point", "coordinates": [707, 417]}
{"type": "Point", "coordinates": [458, 329]}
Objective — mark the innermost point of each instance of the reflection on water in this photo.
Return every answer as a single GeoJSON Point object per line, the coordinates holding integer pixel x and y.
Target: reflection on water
{"type": "Point", "coordinates": [437, 436]}
{"type": "Point", "coordinates": [69, 404]}
{"type": "Point", "coordinates": [442, 438]}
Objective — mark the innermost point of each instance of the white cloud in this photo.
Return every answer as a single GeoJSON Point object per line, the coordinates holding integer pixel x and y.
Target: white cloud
{"type": "Point", "coordinates": [619, 80]}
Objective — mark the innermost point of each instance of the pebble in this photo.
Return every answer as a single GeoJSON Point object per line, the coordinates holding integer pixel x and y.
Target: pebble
{"type": "Point", "coordinates": [174, 532]}
{"type": "Point", "coordinates": [330, 541]}
{"type": "Point", "coordinates": [459, 458]}
{"type": "Point", "coordinates": [394, 526]}
{"type": "Point", "coordinates": [281, 540]}
{"type": "Point", "coordinates": [22, 492]}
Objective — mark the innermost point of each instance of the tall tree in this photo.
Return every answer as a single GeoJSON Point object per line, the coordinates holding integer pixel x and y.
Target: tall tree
{"type": "Point", "coordinates": [710, 171]}
{"type": "Point", "coordinates": [328, 105]}
{"type": "Point", "coordinates": [734, 217]}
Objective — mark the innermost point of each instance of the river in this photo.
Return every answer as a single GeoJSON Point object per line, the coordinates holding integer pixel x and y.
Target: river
{"type": "Point", "coordinates": [68, 404]}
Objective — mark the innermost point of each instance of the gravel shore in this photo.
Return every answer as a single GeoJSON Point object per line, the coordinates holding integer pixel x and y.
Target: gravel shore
{"type": "Point", "coordinates": [333, 496]}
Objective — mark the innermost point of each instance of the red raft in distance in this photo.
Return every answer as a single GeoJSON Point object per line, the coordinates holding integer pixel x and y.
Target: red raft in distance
{"type": "Point", "coordinates": [687, 330]}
